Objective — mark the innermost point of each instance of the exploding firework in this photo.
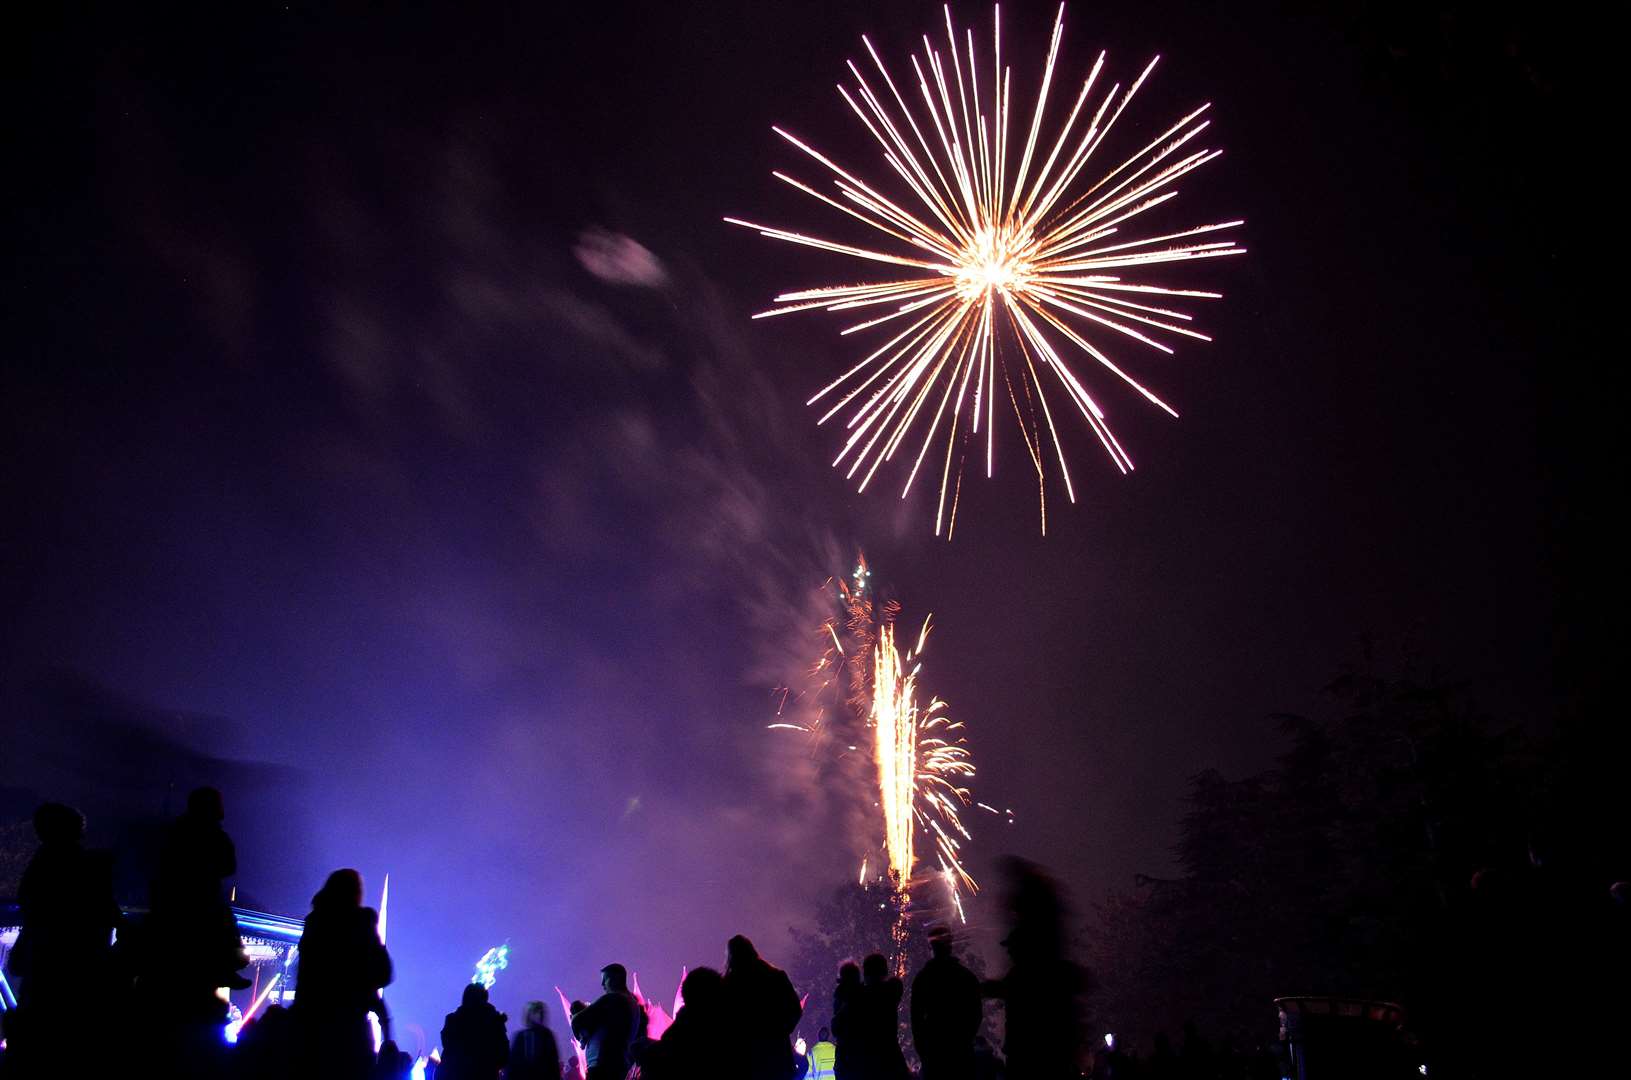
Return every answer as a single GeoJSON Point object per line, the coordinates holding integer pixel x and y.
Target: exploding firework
{"type": "Point", "coordinates": [1005, 270]}
{"type": "Point", "coordinates": [918, 753]}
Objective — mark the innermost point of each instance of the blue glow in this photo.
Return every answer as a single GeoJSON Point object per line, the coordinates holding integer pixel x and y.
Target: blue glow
{"type": "Point", "coordinates": [492, 962]}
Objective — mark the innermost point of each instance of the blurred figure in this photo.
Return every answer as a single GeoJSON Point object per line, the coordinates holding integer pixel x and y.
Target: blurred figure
{"type": "Point", "coordinates": [987, 1065]}
{"type": "Point", "coordinates": [691, 1045]}
{"type": "Point", "coordinates": [764, 1009]}
{"type": "Point", "coordinates": [534, 1054]}
{"type": "Point", "coordinates": [945, 1012]}
{"type": "Point", "coordinates": [474, 1043]}
{"type": "Point", "coordinates": [342, 968]}
{"type": "Point", "coordinates": [63, 949]}
{"type": "Point", "coordinates": [879, 1022]}
{"type": "Point", "coordinates": [607, 1028]}
{"type": "Point", "coordinates": [1041, 994]}
{"type": "Point", "coordinates": [823, 1055]}
{"type": "Point", "coordinates": [846, 1022]}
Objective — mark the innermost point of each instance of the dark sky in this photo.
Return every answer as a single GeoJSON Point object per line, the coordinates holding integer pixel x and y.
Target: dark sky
{"type": "Point", "coordinates": [317, 422]}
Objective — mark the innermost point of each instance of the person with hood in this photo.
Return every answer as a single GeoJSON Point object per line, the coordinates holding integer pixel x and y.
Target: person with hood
{"type": "Point", "coordinates": [763, 1010]}
{"type": "Point", "coordinates": [343, 966]}
{"type": "Point", "coordinates": [607, 1028]}
{"type": "Point", "coordinates": [946, 1012]}
{"type": "Point", "coordinates": [474, 1043]}
{"type": "Point", "coordinates": [534, 1054]}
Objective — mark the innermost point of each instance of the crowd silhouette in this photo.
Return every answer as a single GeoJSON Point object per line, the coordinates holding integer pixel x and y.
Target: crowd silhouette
{"type": "Point", "coordinates": [164, 975]}
{"type": "Point", "coordinates": [158, 981]}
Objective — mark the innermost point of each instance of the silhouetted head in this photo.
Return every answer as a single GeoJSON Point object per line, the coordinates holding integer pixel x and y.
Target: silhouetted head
{"type": "Point", "coordinates": [474, 994]}
{"type": "Point", "coordinates": [823, 1035]}
{"type": "Point", "coordinates": [703, 988]}
{"type": "Point", "coordinates": [575, 1008]}
{"type": "Point", "coordinates": [1036, 913]}
{"type": "Point", "coordinates": [343, 889]}
{"type": "Point", "coordinates": [614, 977]}
{"type": "Point", "coordinates": [739, 954]}
{"type": "Point", "coordinates": [205, 804]}
{"type": "Point", "coordinates": [849, 973]}
{"type": "Point", "coordinates": [56, 823]}
{"type": "Point", "coordinates": [536, 1014]}
{"type": "Point", "coordinates": [1620, 892]}
{"type": "Point", "coordinates": [388, 1050]}
{"type": "Point", "coordinates": [940, 941]}
{"type": "Point", "coordinates": [875, 968]}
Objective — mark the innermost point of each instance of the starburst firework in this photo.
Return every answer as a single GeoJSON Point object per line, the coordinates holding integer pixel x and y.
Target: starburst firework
{"type": "Point", "coordinates": [1008, 267]}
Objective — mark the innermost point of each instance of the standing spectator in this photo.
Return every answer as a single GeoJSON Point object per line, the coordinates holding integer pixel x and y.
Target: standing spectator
{"type": "Point", "coordinates": [764, 1009]}
{"type": "Point", "coordinates": [945, 1012]}
{"type": "Point", "coordinates": [879, 1022]}
{"type": "Point", "coordinates": [823, 1054]}
{"type": "Point", "coordinates": [534, 1054]}
{"type": "Point", "coordinates": [474, 1044]}
{"type": "Point", "coordinates": [343, 965]}
{"type": "Point", "coordinates": [1041, 993]}
{"type": "Point", "coordinates": [196, 943]}
{"type": "Point", "coordinates": [847, 1023]}
{"type": "Point", "coordinates": [692, 1043]}
{"type": "Point", "coordinates": [394, 1063]}
{"type": "Point", "coordinates": [64, 947]}
{"type": "Point", "coordinates": [607, 1028]}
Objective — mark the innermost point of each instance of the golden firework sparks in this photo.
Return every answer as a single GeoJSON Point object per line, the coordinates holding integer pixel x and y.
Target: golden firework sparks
{"type": "Point", "coordinates": [1005, 268]}
{"type": "Point", "coordinates": [871, 687]}
{"type": "Point", "coordinates": [922, 764]}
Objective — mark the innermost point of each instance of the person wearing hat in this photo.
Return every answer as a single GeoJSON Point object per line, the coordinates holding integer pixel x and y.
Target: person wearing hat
{"type": "Point", "coordinates": [945, 1012]}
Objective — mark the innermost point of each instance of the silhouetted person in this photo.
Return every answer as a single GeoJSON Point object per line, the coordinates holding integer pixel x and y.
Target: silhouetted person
{"type": "Point", "coordinates": [945, 1012]}
{"type": "Point", "coordinates": [847, 1023]}
{"type": "Point", "coordinates": [534, 1054]}
{"type": "Point", "coordinates": [474, 1043]}
{"type": "Point", "coordinates": [195, 936]}
{"type": "Point", "coordinates": [269, 1046]}
{"type": "Point", "coordinates": [607, 1028]}
{"type": "Point", "coordinates": [393, 1063]}
{"type": "Point", "coordinates": [342, 968]}
{"type": "Point", "coordinates": [63, 949]}
{"type": "Point", "coordinates": [693, 1042]}
{"type": "Point", "coordinates": [878, 1022]}
{"type": "Point", "coordinates": [1041, 991]}
{"type": "Point", "coordinates": [764, 1009]}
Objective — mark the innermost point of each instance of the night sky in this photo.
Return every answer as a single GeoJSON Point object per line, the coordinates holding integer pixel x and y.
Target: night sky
{"type": "Point", "coordinates": [330, 428]}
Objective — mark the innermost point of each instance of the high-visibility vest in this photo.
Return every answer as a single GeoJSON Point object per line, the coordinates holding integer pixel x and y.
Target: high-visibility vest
{"type": "Point", "coordinates": [822, 1055]}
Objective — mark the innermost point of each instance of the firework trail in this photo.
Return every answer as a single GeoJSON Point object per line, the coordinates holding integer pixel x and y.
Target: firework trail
{"type": "Point", "coordinates": [1003, 269]}
{"type": "Point", "coordinates": [922, 763]}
